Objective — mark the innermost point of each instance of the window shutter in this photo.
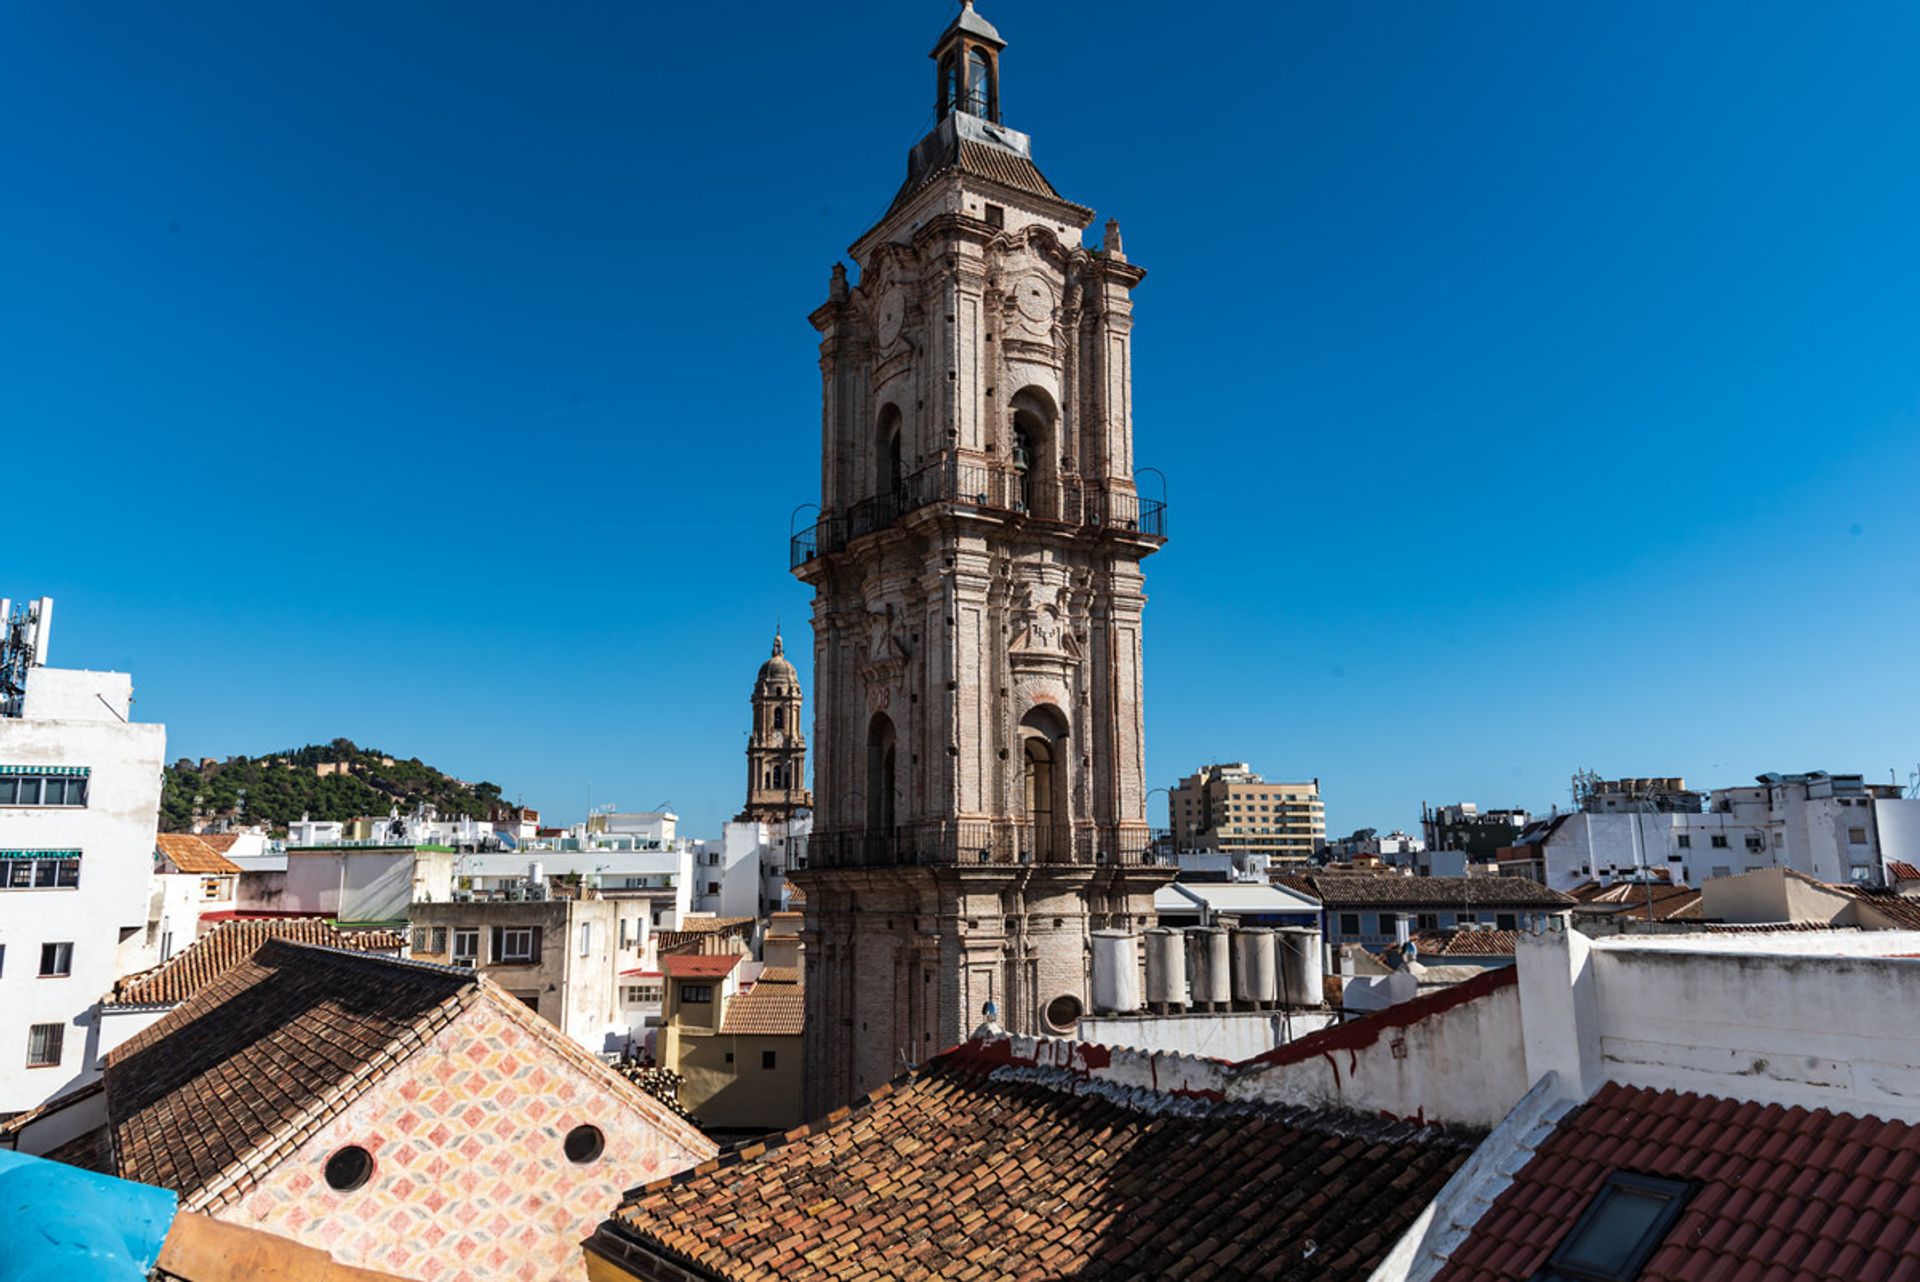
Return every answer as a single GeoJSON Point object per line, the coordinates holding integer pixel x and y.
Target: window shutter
{"type": "Point", "coordinates": [498, 944]}
{"type": "Point", "coordinates": [537, 932]}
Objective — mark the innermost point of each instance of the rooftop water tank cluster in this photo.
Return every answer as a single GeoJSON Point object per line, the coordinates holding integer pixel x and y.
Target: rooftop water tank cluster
{"type": "Point", "coordinates": [1207, 969]}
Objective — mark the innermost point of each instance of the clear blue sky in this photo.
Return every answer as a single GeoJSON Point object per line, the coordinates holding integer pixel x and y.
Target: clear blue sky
{"type": "Point", "coordinates": [1538, 385]}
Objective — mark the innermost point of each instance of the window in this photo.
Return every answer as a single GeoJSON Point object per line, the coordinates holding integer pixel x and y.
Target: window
{"type": "Point", "coordinates": [56, 960]}
{"type": "Point", "coordinates": [43, 1045]}
{"type": "Point", "coordinates": [1618, 1232]}
{"type": "Point", "coordinates": [349, 1168]}
{"type": "Point", "coordinates": [696, 994]}
{"type": "Point", "coordinates": [996, 216]}
{"type": "Point", "coordinates": [713, 888]}
{"type": "Point", "coordinates": [47, 788]}
{"type": "Point", "coordinates": [1389, 923]}
{"type": "Point", "coordinates": [586, 939]}
{"type": "Point", "coordinates": [1684, 841]}
{"type": "Point", "coordinates": [1856, 836]}
{"type": "Point", "coordinates": [530, 1000]}
{"type": "Point", "coordinates": [766, 1059]}
{"type": "Point", "coordinates": [1755, 841]}
{"type": "Point", "coordinates": [1463, 919]}
{"type": "Point", "coordinates": [39, 869]}
{"type": "Point", "coordinates": [516, 943]}
{"type": "Point", "coordinates": [642, 993]}
{"type": "Point", "coordinates": [1506, 921]}
{"type": "Point", "coordinates": [584, 1144]}
{"type": "Point", "coordinates": [1349, 923]}
{"type": "Point", "coordinates": [466, 945]}
{"type": "Point", "coordinates": [1719, 841]}
{"type": "Point", "coordinates": [213, 888]}
{"type": "Point", "coordinates": [1426, 921]}
{"type": "Point", "coordinates": [429, 941]}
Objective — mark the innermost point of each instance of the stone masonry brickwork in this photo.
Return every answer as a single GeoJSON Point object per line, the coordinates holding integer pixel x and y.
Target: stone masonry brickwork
{"type": "Point", "coordinates": [470, 1181]}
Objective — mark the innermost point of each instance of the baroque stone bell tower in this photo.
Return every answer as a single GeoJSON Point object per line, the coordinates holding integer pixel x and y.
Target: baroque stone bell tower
{"type": "Point", "coordinates": [979, 744]}
{"type": "Point", "coordinates": [777, 745]}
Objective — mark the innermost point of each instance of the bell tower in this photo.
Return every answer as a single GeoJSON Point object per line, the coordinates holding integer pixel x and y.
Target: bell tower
{"type": "Point", "coordinates": [777, 745]}
{"type": "Point", "coordinates": [980, 749]}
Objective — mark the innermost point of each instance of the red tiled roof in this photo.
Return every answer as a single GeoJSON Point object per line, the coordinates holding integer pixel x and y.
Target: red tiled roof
{"type": "Point", "coordinates": [228, 945]}
{"type": "Point", "coordinates": [1903, 871]}
{"type": "Point", "coordinates": [700, 965]}
{"type": "Point", "coordinates": [1784, 1193]}
{"type": "Point", "coordinates": [192, 854]}
{"type": "Point", "coordinates": [1024, 1173]}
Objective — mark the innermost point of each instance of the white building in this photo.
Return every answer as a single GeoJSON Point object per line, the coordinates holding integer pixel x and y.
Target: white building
{"type": "Point", "coordinates": [79, 807]}
{"type": "Point", "coordinates": [656, 885]}
{"type": "Point", "coordinates": [1834, 828]}
{"type": "Point", "coordinates": [745, 872]}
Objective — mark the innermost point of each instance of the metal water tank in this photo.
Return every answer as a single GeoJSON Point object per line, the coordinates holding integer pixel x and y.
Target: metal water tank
{"type": "Point", "coordinates": [1254, 986]}
{"type": "Point", "coordinates": [1116, 973]}
{"type": "Point", "coordinates": [1166, 970]}
{"type": "Point", "coordinates": [1208, 971]}
{"type": "Point", "coordinates": [1300, 972]}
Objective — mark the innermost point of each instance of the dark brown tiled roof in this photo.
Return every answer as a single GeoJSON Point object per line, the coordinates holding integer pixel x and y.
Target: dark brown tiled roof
{"type": "Point", "coordinates": [981, 160]}
{"type": "Point", "coordinates": [1467, 943]}
{"type": "Point", "coordinates": [1898, 911]}
{"type": "Point", "coordinates": [1024, 1173]}
{"type": "Point", "coordinates": [773, 1007]}
{"type": "Point", "coordinates": [1388, 890]}
{"type": "Point", "coordinates": [192, 854]}
{"type": "Point", "coordinates": [260, 1049]}
{"type": "Point", "coordinates": [226, 946]}
{"type": "Point", "coordinates": [1784, 1193]}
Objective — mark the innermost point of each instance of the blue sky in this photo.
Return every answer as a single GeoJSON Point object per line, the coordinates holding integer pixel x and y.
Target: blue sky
{"type": "Point", "coordinates": [1538, 386]}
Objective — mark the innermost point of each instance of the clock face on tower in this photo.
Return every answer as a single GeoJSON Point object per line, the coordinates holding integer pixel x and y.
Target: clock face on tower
{"type": "Point", "coordinates": [893, 310]}
{"type": "Point", "coordinates": [1034, 297]}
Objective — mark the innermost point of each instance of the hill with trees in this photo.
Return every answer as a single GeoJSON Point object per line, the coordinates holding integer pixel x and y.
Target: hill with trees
{"type": "Point", "coordinates": [335, 781]}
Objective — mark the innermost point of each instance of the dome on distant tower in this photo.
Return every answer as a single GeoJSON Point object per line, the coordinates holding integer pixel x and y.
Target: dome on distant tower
{"type": "Point", "coordinates": [777, 669]}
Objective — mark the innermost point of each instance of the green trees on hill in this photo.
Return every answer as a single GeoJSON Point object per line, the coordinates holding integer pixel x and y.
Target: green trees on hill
{"type": "Point", "coordinates": [336, 781]}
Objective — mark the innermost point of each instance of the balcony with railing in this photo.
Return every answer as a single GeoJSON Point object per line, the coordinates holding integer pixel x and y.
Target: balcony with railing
{"type": "Point", "coordinates": [1069, 501]}
{"type": "Point", "coordinates": [983, 843]}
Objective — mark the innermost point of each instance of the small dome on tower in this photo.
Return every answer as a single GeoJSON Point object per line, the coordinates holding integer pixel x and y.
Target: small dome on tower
{"type": "Point", "coordinates": [776, 669]}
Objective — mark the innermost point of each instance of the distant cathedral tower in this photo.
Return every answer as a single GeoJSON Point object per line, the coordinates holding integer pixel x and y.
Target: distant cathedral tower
{"type": "Point", "coordinates": [977, 605]}
{"type": "Point", "coordinates": [777, 746]}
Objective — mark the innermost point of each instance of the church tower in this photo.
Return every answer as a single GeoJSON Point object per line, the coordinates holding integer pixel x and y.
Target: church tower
{"type": "Point", "coordinates": [977, 605]}
{"type": "Point", "coordinates": [777, 746]}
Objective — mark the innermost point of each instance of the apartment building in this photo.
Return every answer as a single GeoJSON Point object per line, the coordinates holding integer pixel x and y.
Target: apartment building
{"type": "Point", "coordinates": [79, 809]}
{"type": "Point", "coordinates": [1230, 809]}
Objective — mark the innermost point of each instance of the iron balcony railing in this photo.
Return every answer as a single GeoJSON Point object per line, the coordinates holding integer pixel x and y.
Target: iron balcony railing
{"type": "Point", "coordinates": [1070, 502]}
{"type": "Point", "coordinates": [964, 843]}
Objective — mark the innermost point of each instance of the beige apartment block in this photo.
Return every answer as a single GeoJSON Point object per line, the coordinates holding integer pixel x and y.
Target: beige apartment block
{"type": "Point", "coordinates": [979, 750]}
{"type": "Point", "coordinates": [1229, 808]}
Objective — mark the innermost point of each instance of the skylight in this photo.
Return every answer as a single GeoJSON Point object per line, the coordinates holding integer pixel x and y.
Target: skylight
{"type": "Point", "coordinates": [1619, 1231]}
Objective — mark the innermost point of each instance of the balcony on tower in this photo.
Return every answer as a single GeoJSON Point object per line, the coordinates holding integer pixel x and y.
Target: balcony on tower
{"type": "Point", "coordinates": [984, 843]}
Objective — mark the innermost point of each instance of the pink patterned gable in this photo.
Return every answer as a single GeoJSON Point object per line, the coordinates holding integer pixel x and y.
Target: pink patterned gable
{"type": "Point", "coordinates": [471, 1180]}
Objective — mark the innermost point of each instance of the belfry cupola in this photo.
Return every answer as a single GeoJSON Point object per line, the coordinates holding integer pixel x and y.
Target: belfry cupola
{"type": "Point", "coordinates": [968, 58]}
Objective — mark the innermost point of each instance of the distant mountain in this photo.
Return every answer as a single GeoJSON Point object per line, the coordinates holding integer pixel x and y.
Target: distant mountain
{"type": "Point", "coordinates": [339, 780]}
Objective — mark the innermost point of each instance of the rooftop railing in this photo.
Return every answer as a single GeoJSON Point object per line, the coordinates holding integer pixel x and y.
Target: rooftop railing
{"type": "Point", "coordinates": [1068, 501]}
{"type": "Point", "coordinates": [982, 843]}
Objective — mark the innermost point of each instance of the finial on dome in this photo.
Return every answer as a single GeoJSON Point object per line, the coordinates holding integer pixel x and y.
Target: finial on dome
{"type": "Point", "coordinates": [779, 647]}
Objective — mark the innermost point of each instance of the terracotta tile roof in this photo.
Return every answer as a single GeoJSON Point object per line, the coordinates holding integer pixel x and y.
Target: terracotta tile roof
{"type": "Point", "coordinates": [261, 1048]}
{"type": "Point", "coordinates": [1467, 943]}
{"type": "Point", "coordinates": [771, 1008]}
{"type": "Point", "coordinates": [374, 940]}
{"type": "Point", "coordinates": [1902, 871]}
{"type": "Point", "coordinates": [211, 1097]}
{"type": "Point", "coordinates": [1784, 1193]}
{"type": "Point", "coordinates": [1620, 900]}
{"type": "Point", "coordinates": [968, 1171]}
{"type": "Point", "coordinates": [779, 975]}
{"type": "Point", "coordinates": [795, 895]}
{"type": "Point", "coordinates": [1355, 889]}
{"type": "Point", "coordinates": [1897, 911]}
{"type": "Point", "coordinates": [700, 965]}
{"type": "Point", "coordinates": [706, 925]}
{"type": "Point", "coordinates": [219, 842]}
{"type": "Point", "coordinates": [224, 947]}
{"type": "Point", "coordinates": [192, 854]}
